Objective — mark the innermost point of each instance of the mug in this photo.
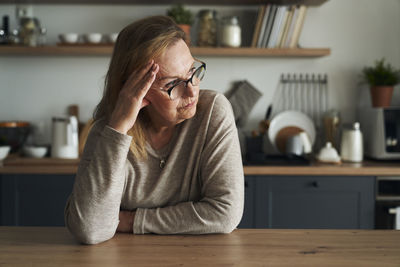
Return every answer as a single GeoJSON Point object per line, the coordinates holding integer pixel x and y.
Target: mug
{"type": "Point", "coordinates": [307, 145]}
{"type": "Point", "coordinates": [294, 145]}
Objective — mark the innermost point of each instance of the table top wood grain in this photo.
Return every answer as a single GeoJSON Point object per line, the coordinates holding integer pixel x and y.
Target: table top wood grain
{"type": "Point", "coordinates": [54, 246]}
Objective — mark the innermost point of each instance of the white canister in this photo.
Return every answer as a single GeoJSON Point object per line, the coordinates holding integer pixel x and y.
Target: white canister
{"type": "Point", "coordinates": [231, 34]}
{"type": "Point", "coordinates": [351, 147]}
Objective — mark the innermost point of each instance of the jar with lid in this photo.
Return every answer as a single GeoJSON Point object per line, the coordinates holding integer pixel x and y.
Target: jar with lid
{"type": "Point", "coordinates": [207, 28]}
{"type": "Point", "coordinates": [331, 121]}
{"type": "Point", "coordinates": [351, 147]}
{"type": "Point", "coordinates": [231, 34]}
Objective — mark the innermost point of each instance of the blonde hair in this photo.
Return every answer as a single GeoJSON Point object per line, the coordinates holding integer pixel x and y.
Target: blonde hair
{"type": "Point", "coordinates": [136, 45]}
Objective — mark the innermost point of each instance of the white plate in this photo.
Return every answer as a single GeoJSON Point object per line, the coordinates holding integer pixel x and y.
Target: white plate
{"type": "Point", "coordinates": [291, 118]}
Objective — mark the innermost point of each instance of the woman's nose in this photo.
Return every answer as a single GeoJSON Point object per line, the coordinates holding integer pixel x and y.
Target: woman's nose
{"type": "Point", "coordinates": [191, 90]}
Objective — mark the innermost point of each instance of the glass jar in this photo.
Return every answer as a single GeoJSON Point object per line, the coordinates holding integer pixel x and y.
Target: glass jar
{"type": "Point", "coordinates": [207, 28]}
{"type": "Point", "coordinates": [231, 33]}
{"type": "Point", "coordinates": [42, 40]}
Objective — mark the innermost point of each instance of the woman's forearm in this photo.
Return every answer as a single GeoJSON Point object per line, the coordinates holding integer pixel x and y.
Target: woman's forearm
{"type": "Point", "coordinates": [92, 211]}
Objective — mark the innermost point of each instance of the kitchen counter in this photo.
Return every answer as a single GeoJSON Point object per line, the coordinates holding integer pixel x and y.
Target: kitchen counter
{"type": "Point", "coordinates": [54, 246]}
{"type": "Point", "coordinates": [20, 165]}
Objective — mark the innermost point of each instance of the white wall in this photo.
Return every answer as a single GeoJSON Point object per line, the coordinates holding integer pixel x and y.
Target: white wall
{"type": "Point", "coordinates": [358, 32]}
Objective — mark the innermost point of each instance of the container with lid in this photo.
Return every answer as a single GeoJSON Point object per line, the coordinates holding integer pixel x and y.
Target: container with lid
{"type": "Point", "coordinates": [231, 34]}
{"type": "Point", "coordinates": [351, 147]}
{"type": "Point", "coordinates": [207, 28]}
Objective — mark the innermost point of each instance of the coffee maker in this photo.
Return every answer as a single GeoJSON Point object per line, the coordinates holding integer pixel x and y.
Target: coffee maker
{"type": "Point", "coordinates": [381, 129]}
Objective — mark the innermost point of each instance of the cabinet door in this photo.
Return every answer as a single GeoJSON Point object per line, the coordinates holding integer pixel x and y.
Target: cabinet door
{"type": "Point", "coordinates": [316, 202]}
{"type": "Point", "coordinates": [34, 200]}
{"type": "Point", "coordinates": [249, 204]}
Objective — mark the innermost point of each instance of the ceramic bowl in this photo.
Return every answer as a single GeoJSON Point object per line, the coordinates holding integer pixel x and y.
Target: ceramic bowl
{"type": "Point", "coordinates": [34, 151]}
{"type": "Point", "coordinates": [4, 150]}
{"type": "Point", "coordinates": [14, 134]}
{"type": "Point", "coordinates": [69, 38]}
{"type": "Point", "coordinates": [93, 38]}
{"type": "Point", "coordinates": [112, 37]}
{"type": "Point", "coordinates": [328, 154]}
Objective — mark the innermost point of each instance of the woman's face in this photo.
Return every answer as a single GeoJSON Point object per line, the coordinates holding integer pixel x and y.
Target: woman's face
{"type": "Point", "coordinates": [175, 64]}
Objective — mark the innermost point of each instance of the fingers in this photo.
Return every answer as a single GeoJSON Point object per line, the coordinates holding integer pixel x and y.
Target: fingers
{"type": "Point", "coordinates": [137, 76]}
{"type": "Point", "coordinates": [148, 80]}
{"type": "Point", "coordinates": [145, 103]}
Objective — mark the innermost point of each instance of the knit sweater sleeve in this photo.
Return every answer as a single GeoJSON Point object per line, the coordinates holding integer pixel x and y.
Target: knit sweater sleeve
{"type": "Point", "coordinates": [222, 185]}
{"type": "Point", "coordinates": [92, 210]}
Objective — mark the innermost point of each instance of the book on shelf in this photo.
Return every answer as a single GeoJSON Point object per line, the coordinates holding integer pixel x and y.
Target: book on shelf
{"type": "Point", "coordinates": [285, 30]}
{"type": "Point", "coordinates": [277, 26]}
{"type": "Point", "coordinates": [263, 25]}
{"type": "Point", "coordinates": [257, 28]}
{"type": "Point", "coordinates": [291, 27]}
{"type": "Point", "coordinates": [268, 28]}
{"type": "Point", "coordinates": [293, 39]}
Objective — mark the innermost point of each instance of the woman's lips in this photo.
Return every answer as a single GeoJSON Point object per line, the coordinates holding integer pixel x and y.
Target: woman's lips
{"type": "Point", "coordinates": [189, 105]}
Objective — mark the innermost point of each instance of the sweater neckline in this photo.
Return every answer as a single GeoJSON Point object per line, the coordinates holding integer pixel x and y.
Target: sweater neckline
{"type": "Point", "coordinates": [164, 152]}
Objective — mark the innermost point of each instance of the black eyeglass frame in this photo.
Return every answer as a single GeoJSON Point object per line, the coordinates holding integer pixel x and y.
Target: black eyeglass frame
{"type": "Point", "coordinates": [203, 65]}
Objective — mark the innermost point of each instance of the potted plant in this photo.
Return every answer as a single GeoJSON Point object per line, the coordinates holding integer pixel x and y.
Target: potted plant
{"type": "Point", "coordinates": [381, 78]}
{"type": "Point", "coordinates": [183, 17]}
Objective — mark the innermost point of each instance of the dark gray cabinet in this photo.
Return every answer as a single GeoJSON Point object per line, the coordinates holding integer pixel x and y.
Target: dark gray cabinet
{"type": "Point", "coordinates": [305, 202]}
{"type": "Point", "coordinates": [330, 202]}
{"type": "Point", "coordinates": [34, 200]}
{"type": "Point", "coordinates": [248, 220]}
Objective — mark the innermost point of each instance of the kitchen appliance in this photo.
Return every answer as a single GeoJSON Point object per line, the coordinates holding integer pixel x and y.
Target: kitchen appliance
{"type": "Point", "coordinates": [387, 208]}
{"type": "Point", "coordinates": [351, 147]}
{"type": "Point", "coordinates": [381, 128]}
{"type": "Point", "coordinates": [65, 137]}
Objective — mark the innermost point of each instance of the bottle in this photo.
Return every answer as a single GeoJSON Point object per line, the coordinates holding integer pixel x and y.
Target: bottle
{"type": "Point", "coordinates": [42, 40]}
{"type": "Point", "coordinates": [231, 34]}
{"type": "Point", "coordinates": [207, 28]}
{"type": "Point", "coordinates": [331, 127]}
{"type": "Point", "coordinates": [351, 147]}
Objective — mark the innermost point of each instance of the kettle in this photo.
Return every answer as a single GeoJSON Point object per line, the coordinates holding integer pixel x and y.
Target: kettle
{"type": "Point", "coordinates": [65, 137]}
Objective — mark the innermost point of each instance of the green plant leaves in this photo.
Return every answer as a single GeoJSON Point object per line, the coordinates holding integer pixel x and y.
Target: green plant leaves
{"type": "Point", "coordinates": [381, 74]}
{"type": "Point", "coordinates": [180, 14]}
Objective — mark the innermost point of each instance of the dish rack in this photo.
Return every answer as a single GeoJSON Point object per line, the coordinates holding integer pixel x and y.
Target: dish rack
{"type": "Point", "coordinates": [304, 92]}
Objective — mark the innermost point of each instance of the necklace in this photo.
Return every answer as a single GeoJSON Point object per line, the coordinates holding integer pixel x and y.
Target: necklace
{"type": "Point", "coordinates": [162, 163]}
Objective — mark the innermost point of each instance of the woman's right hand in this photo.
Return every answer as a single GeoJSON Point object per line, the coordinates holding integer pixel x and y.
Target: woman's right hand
{"type": "Point", "coordinates": [132, 98]}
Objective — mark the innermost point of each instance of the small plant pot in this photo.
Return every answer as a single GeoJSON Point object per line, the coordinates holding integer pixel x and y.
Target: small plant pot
{"type": "Point", "coordinates": [186, 29]}
{"type": "Point", "coordinates": [381, 96]}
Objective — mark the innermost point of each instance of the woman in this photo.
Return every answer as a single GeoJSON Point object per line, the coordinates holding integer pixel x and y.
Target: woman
{"type": "Point", "coordinates": [162, 156]}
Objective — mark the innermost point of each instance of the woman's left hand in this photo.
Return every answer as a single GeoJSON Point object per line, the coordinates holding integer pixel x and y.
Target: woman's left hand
{"type": "Point", "coordinates": [126, 219]}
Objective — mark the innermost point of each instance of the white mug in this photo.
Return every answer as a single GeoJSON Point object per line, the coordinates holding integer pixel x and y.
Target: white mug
{"type": "Point", "coordinates": [307, 146]}
{"type": "Point", "coordinates": [294, 145]}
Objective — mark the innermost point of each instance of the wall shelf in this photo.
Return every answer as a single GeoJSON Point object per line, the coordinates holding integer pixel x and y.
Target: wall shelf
{"type": "Point", "coordinates": [106, 50]}
{"type": "Point", "coordinates": [168, 2]}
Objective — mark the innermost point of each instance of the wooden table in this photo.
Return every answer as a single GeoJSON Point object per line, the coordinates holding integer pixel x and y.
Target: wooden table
{"type": "Point", "coordinates": [54, 246]}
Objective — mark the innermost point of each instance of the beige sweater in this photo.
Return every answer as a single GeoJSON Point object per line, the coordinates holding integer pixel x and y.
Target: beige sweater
{"type": "Point", "coordinates": [198, 191]}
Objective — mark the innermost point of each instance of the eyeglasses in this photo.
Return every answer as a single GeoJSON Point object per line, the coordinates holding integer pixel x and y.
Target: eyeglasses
{"type": "Point", "coordinates": [176, 88]}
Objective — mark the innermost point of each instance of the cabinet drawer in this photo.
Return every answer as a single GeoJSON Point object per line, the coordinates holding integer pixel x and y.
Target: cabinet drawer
{"type": "Point", "coordinates": [339, 183]}
{"type": "Point", "coordinates": [315, 202]}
